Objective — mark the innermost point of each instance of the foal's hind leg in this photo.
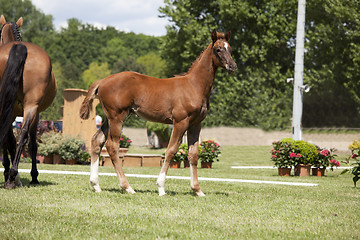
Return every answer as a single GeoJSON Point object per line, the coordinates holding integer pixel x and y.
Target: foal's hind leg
{"type": "Point", "coordinates": [33, 151]}
{"type": "Point", "coordinates": [97, 143]}
{"type": "Point", "coordinates": [112, 146]}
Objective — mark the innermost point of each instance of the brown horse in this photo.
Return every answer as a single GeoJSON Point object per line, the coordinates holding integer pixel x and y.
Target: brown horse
{"type": "Point", "coordinates": [27, 87]}
{"type": "Point", "coordinates": [182, 101]}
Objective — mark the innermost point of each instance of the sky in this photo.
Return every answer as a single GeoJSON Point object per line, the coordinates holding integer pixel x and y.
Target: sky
{"type": "Point", "coordinates": [138, 16]}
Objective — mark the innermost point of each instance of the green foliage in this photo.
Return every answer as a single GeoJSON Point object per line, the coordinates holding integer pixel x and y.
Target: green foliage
{"type": "Point", "coordinates": [66, 146]}
{"type": "Point", "coordinates": [308, 151]}
{"type": "Point", "coordinates": [49, 143]}
{"type": "Point", "coordinates": [209, 151]}
{"type": "Point", "coordinates": [353, 161]}
{"type": "Point", "coordinates": [95, 72]}
{"type": "Point", "coordinates": [153, 65]}
{"type": "Point", "coordinates": [263, 43]}
{"type": "Point", "coordinates": [163, 131]}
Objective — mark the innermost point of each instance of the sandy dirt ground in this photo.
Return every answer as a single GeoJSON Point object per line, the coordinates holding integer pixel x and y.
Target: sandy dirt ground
{"type": "Point", "coordinates": [254, 137]}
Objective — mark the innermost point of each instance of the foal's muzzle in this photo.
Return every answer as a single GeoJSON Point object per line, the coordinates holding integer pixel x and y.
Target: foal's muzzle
{"type": "Point", "coordinates": [231, 67]}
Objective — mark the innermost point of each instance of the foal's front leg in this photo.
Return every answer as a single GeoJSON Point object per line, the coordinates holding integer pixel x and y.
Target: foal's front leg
{"type": "Point", "coordinates": [193, 141]}
{"type": "Point", "coordinates": [176, 136]}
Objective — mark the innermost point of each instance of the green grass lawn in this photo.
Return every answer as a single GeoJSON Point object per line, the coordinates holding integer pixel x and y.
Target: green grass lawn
{"type": "Point", "coordinates": [64, 207]}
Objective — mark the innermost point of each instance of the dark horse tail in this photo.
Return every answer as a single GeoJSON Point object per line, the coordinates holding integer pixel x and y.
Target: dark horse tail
{"type": "Point", "coordinates": [9, 87]}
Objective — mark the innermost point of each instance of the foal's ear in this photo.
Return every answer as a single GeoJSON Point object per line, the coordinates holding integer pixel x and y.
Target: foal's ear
{"type": "Point", "coordinates": [227, 36]}
{"type": "Point", "coordinates": [2, 20]}
{"type": "Point", "coordinates": [19, 22]}
{"type": "Point", "coordinates": [214, 36]}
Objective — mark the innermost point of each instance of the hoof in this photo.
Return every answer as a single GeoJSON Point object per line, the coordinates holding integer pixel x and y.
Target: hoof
{"type": "Point", "coordinates": [200, 194]}
{"type": "Point", "coordinates": [34, 182]}
{"type": "Point", "coordinates": [10, 185]}
{"type": "Point", "coordinates": [162, 192]}
{"type": "Point", "coordinates": [130, 190]}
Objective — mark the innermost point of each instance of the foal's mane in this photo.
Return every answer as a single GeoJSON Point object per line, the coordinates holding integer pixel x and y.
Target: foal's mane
{"type": "Point", "coordinates": [194, 63]}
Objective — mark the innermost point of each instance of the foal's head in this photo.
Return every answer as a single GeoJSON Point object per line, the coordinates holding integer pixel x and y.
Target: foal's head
{"type": "Point", "coordinates": [222, 51]}
{"type": "Point", "coordinates": [9, 31]}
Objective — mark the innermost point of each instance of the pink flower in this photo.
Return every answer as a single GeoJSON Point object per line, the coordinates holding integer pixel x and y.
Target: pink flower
{"type": "Point", "coordinates": [292, 155]}
{"type": "Point", "coordinates": [129, 141]}
{"type": "Point", "coordinates": [332, 161]}
{"type": "Point", "coordinates": [337, 163]}
{"type": "Point", "coordinates": [325, 152]}
{"type": "Point", "coordinates": [121, 139]}
{"type": "Point", "coordinates": [298, 155]}
{"type": "Point", "coordinates": [354, 156]}
{"type": "Point", "coordinates": [274, 156]}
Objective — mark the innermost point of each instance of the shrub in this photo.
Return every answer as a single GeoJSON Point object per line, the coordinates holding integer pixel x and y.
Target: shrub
{"type": "Point", "coordinates": [308, 151]}
{"type": "Point", "coordinates": [284, 153]}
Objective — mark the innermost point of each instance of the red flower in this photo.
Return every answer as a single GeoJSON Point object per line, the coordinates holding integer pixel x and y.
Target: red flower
{"type": "Point", "coordinates": [274, 156]}
{"type": "Point", "coordinates": [292, 155]}
{"type": "Point", "coordinates": [298, 155]}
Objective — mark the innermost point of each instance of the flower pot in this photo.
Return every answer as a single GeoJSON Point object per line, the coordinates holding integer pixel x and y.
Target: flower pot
{"type": "Point", "coordinates": [123, 151]}
{"type": "Point", "coordinates": [284, 172]}
{"type": "Point", "coordinates": [302, 170]}
{"type": "Point", "coordinates": [70, 161]}
{"type": "Point", "coordinates": [320, 172]}
{"type": "Point", "coordinates": [206, 164]}
{"type": "Point", "coordinates": [175, 164]}
{"type": "Point", "coordinates": [57, 159]}
{"type": "Point", "coordinates": [48, 159]}
{"type": "Point", "coordinates": [40, 158]}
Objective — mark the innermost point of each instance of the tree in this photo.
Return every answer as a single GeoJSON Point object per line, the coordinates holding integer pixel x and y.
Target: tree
{"type": "Point", "coordinates": [95, 72]}
{"type": "Point", "coordinates": [36, 26]}
{"type": "Point", "coordinates": [263, 43]}
{"type": "Point", "coordinates": [153, 64]}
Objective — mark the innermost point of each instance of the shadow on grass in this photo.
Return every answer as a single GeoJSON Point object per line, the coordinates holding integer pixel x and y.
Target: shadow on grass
{"type": "Point", "coordinates": [26, 183]}
{"type": "Point", "coordinates": [168, 193]}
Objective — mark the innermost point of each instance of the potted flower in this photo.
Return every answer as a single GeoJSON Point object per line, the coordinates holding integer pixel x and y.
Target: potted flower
{"type": "Point", "coordinates": [353, 161]}
{"type": "Point", "coordinates": [124, 144]}
{"type": "Point", "coordinates": [322, 161]}
{"type": "Point", "coordinates": [72, 150]}
{"type": "Point", "coordinates": [48, 146]}
{"type": "Point", "coordinates": [308, 154]}
{"type": "Point", "coordinates": [182, 155]}
{"type": "Point", "coordinates": [209, 151]}
{"type": "Point", "coordinates": [283, 155]}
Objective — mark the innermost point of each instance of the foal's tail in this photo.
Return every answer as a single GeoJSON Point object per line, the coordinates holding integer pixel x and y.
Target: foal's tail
{"type": "Point", "coordinates": [86, 104]}
{"type": "Point", "coordinates": [9, 87]}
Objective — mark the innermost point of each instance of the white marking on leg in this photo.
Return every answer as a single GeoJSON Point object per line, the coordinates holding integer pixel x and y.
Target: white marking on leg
{"type": "Point", "coordinates": [161, 184]}
{"type": "Point", "coordinates": [17, 180]}
{"type": "Point", "coordinates": [94, 175]}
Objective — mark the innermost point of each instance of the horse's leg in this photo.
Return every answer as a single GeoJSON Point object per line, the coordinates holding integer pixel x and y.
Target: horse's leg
{"type": "Point", "coordinates": [175, 140]}
{"type": "Point", "coordinates": [29, 117]}
{"type": "Point", "coordinates": [33, 151]}
{"type": "Point", "coordinates": [97, 143]}
{"type": "Point", "coordinates": [9, 146]}
{"type": "Point", "coordinates": [112, 146]}
{"type": "Point", "coordinates": [193, 142]}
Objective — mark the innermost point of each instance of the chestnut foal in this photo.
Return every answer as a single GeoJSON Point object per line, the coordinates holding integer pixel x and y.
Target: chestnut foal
{"type": "Point", "coordinates": [182, 101]}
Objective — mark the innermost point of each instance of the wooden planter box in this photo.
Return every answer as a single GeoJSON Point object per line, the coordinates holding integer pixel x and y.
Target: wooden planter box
{"type": "Point", "coordinates": [135, 160]}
